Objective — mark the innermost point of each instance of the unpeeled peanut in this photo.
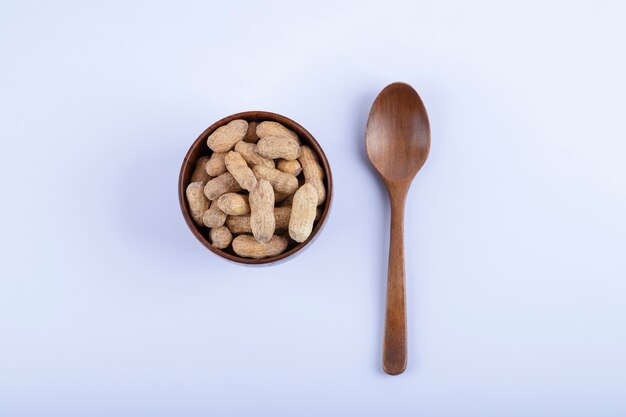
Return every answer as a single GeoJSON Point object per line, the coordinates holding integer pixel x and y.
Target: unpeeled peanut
{"type": "Point", "coordinates": [241, 224]}
{"type": "Point", "coordinates": [225, 183]}
{"type": "Point", "coordinates": [236, 165]}
{"type": "Point", "coordinates": [233, 204]}
{"type": "Point", "coordinates": [221, 237]}
{"type": "Point", "coordinates": [248, 247]}
{"type": "Point", "coordinates": [198, 203]}
{"type": "Point", "coordinates": [292, 167]}
{"type": "Point", "coordinates": [282, 216]}
{"type": "Point", "coordinates": [274, 147]}
{"type": "Point", "coordinates": [199, 173]}
{"type": "Point", "coordinates": [225, 137]}
{"type": "Point", "coordinates": [216, 165]}
{"type": "Point", "coordinates": [248, 152]}
{"type": "Point", "coordinates": [313, 172]}
{"type": "Point", "coordinates": [303, 212]}
{"type": "Point", "coordinates": [274, 129]}
{"type": "Point", "coordinates": [214, 216]}
{"type": "Point", "coordinates": [262, 221]}
{"type": "Point", "coordinates": [284, 183]}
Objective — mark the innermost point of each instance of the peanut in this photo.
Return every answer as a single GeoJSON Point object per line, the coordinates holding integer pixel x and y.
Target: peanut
{"type": "Point", "coordinates": [225, 183]}
{"type": "Point", "coordinates": [251, 136]}
{"type": "Point", "coordinates": [248, 247]}
{"type": "Point", "coordinates": [292, 167]}
{"type": "Point", "coordinates": [220, 237]}
{"type": "Point", "coordinates": [274, 129]}
{"type": "Point", "coordinates": [303, 212]}
{"type": "Point", "coordinates": [214, 216]}
{"type": "Point", "coordinates": [199, 173]}
{"type": "Point", "coordinates": [247, 151]}
{"type": "Point", "coordinates": [262, 221]}
{"type": "Point", "coordinates": [313, 172]}
{"type": "Point", "coordinates": [278, 147]}
{"type": "Point", "coordinates": [225, 137]}
{"type": "Point", "coordinates": [198, 203]}
{"type": "Point", "coordinates": [216, 165]}
{"type": "Point", "coordinates": [282, 216]}
{"type": "Point", "coordinates": [234, 204]}
{"type": "Point", "coordinates": [236, 165]}
{"type": "Point", "coordinates": [284, 183]}
{"type": "Point", "coordinates": [241, 224]}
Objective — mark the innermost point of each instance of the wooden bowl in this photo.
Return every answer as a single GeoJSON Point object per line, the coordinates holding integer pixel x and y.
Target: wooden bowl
{"type": "Point", "coordinates": [199, 148]}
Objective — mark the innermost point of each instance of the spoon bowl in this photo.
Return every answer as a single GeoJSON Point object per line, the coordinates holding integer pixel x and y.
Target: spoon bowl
{"type": "Point", "coordinates": [397, 140]}
{"type": "Point", "coordinates": [398, 133]}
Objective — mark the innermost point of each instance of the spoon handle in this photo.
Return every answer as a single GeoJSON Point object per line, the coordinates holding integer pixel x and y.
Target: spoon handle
{"type": "Point", "coordinates": [395, 345]}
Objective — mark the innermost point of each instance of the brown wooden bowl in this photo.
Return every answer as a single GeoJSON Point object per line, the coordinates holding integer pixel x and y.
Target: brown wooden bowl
{"type": "Point", "coordinates": [199, 148]}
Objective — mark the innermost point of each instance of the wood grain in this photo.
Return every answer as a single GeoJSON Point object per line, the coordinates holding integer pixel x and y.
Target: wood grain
{"type": "Point", "coordinates": [397, 142]}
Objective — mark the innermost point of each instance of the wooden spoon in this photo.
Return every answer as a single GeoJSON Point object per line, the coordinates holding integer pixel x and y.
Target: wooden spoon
{"type": "Point", "coordinates": [397, 141]}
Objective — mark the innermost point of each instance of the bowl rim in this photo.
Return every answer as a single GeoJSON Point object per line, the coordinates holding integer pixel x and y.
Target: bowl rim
{"type": "Point", "coordinates": [188, 165]}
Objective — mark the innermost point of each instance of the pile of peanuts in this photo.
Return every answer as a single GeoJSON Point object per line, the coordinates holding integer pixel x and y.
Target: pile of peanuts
{"type": "Point", "coordinates": [260, 185]}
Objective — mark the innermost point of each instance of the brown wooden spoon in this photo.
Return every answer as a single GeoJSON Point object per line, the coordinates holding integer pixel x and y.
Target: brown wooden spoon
{"type": "Point", "coordinates": [397, 141]}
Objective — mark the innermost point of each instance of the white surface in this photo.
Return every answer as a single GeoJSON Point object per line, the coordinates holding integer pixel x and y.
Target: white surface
{"type": "Point", "coordinates": [515, 232]}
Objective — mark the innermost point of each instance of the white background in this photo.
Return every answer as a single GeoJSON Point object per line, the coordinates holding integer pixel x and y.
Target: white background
{"type": "Point", "coordinates": [515, 228]}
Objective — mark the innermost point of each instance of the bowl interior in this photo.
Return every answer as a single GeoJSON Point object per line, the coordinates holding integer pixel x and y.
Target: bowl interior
{"type": "Point", "coordinates": [200, 148]}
